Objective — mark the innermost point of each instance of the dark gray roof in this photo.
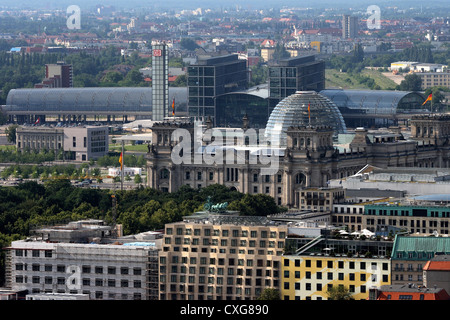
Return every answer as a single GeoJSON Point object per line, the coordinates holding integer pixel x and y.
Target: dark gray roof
{"type": "Point", "coordinates": [122, 99]}
{"type": "Point", "coordinates": [374, 101]}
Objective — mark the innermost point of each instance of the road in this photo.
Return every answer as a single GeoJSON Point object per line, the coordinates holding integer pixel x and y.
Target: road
{"type": "Point", "coordinates": [107, 184]}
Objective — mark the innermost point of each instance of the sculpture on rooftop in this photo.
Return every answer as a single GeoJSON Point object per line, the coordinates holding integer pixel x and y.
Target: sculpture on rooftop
{"type": "Point", "coordinates": [219, 207]}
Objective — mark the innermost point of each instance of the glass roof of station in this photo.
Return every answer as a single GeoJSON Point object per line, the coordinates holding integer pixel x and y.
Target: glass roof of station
{"type": "Point", "coordinates": [375, 101]}
{"type": "Point", "coordinates": [123, 99]}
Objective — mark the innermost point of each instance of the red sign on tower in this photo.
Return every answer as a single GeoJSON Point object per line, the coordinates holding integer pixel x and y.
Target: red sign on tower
{"type": "Point", "coordinates": [157, 53]}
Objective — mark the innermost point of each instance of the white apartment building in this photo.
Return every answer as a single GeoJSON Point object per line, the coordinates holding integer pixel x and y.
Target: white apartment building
{"type": "Point", "coordinates": [102, 268]}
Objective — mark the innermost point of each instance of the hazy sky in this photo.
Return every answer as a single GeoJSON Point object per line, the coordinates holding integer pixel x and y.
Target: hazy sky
{"type": "Point", "coordinates": [253, 4]}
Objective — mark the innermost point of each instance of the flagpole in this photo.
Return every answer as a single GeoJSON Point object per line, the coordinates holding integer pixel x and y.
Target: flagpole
{"type": "Point", "coordinates": [122, 166]}
{"type": "Point", "coordinates": [431, 105]}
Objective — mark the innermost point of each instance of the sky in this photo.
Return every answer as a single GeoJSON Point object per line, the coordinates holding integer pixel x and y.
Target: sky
{"type": "Point", "coordinates": [50, 4]}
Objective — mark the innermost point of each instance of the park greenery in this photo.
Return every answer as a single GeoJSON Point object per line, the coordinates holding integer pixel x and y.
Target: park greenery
{"type": "Point", "coordinates": [32, 204]}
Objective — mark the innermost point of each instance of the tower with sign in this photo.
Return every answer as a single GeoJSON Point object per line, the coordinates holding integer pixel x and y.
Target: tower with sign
{"type": "Point", "coordinates": [160, 81]}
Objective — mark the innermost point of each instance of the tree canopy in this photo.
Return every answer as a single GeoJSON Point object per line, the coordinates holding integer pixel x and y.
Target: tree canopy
{"type": "Point", "coordinates": [31, 204]}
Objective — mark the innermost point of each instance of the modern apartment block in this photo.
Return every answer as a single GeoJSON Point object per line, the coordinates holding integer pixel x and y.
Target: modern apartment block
{"type": "Point", "coordinates": [434, 79]}
{"type": "Point", "coordinates": [57, 75]}
{"type": "Point", "coordinates": [82, 258]}
{"type": "Point", "coordinates": [220, 257]}
{"type": "Point", "coordinates": [311, 276]}
{"type": "Point", "coordinates": [212, 77]}
{"type": "Point", "coordinates": [78, 143]}
{"type": "Point", "coordinates": [349, 26]}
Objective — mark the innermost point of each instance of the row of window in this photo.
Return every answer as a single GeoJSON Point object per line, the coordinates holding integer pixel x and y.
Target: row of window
{"type": "Point", "coordinates": [85, 269]}
{"type": "Point", "coordinates": [97, 294]}
{"type": "Point", "coordinates": [320, 288]}
{"type": "Point", "coordinates": [224, 242]}
{"type": "Point", "coordinates": [330, 276]}
{"type": "Point", "coordinates": [340, 264]}
{"type": "Point", "coordinates": [236, 233]}
{"type": "Point", "coordinates": [221, 261]}
{"type": "Point", "coordinates": [402, 213]}
{"type": "Point", "coordinates": [124, 283]}
{"type": "Point", "coordinates": [223, 250]}
{"type": "Point", "coordinates": [217, 280]}
{"type": "Point", "coordinates": [210, 290]}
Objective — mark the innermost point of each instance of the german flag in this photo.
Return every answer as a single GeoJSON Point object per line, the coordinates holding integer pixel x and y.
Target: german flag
{"type": "Point", "coordinates": [121, 161]}
{"type": "Point", "coordinates": [428, 99]}
{"type": "Point", "coordinates": [173, 107]}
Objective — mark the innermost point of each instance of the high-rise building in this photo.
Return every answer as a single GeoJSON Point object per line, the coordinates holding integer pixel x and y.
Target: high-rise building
{"type": "Point", "coordinates": [302, 73]}
{"type": "Point", "coordinates": [212, 77]}
{"type": "Point", "coordinates": [349, 26]}
{"type": "Point", "coordinates": [160, 81]}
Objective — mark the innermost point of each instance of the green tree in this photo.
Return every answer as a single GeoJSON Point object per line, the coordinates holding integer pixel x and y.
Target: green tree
{"type": "Point", "coordinates": [254, 205]}
{"type": "Point", "coordinates": [11, 133]}
{"type": "Point", "coordinates": [339, 293]}
{"type": "Point", "coordinates": [358, 53]}
{"type": "Point", "coordinates": [437, 98]}
{"type": "Point", "coordinates": [280, 52]}
{"type": "Point", "coordinates": [188, 44]}
{"type": "Point", "coordinates": [412, 82]}
{"type": "Point", "coordinates": [112, 77]}
{"type": "Point", "coordinates": [270, 294]}
{"type": "Point", "coordinates": [137, 179]}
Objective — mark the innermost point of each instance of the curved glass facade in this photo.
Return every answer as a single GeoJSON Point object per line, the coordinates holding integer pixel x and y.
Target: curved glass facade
{"type": "Point", "coordinates": [375, 101]}
{"type": "Point", "coordinates": [232, 107]}
{"type": "Point", "coordinates": [293, 111]}
{"type": "Point", "coordinates": [126, 100]}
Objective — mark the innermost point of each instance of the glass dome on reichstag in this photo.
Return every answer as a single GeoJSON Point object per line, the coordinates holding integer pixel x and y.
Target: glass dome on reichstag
{"type": "Point", "coordinates": [293, 111]}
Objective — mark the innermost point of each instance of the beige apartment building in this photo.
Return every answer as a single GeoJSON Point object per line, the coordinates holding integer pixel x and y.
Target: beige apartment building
{"type": "Point", "coordinates": [434, 79]}
{"type": "Point", "coordinates": [79, 143]}
{"type": "Point", "coordinates": [220, 257]}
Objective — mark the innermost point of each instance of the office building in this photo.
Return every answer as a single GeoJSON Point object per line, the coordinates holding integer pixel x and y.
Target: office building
{"type": "Point", "coordinates": [84, 258]}
{"type": "Point", "coordinates": [349, 27]}
{"type": "Point", "coordinates": [211, 77]}
{"type": "Point", "coordinates": [434, 79]}
{"type": "Point", "coordinates": [78, 143]}
{"type": "Point", "coordinates": [312, 276]}
{"type": "Point", "coordinates": [411, 254]}
{"type": "Point", "coordinates": [58, 75]}
{"type": "Point", "coordinates": [220, 256]}
{"type": "Point", "coordinates": [160, 81]}
{"type": "Point", "coordinates": [301, 73]}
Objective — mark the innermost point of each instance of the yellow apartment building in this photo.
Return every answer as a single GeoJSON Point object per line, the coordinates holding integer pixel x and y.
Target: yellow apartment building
{"type": "Point", "coordinates": [308, 277]}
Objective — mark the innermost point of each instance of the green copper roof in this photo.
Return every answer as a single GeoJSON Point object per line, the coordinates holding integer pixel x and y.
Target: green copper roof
{"type": "Point", "coordinates": [419, 248]}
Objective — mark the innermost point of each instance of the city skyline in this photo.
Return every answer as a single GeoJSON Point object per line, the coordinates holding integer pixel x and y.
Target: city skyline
{"type": "Point", "coordinates": [239, 151]}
